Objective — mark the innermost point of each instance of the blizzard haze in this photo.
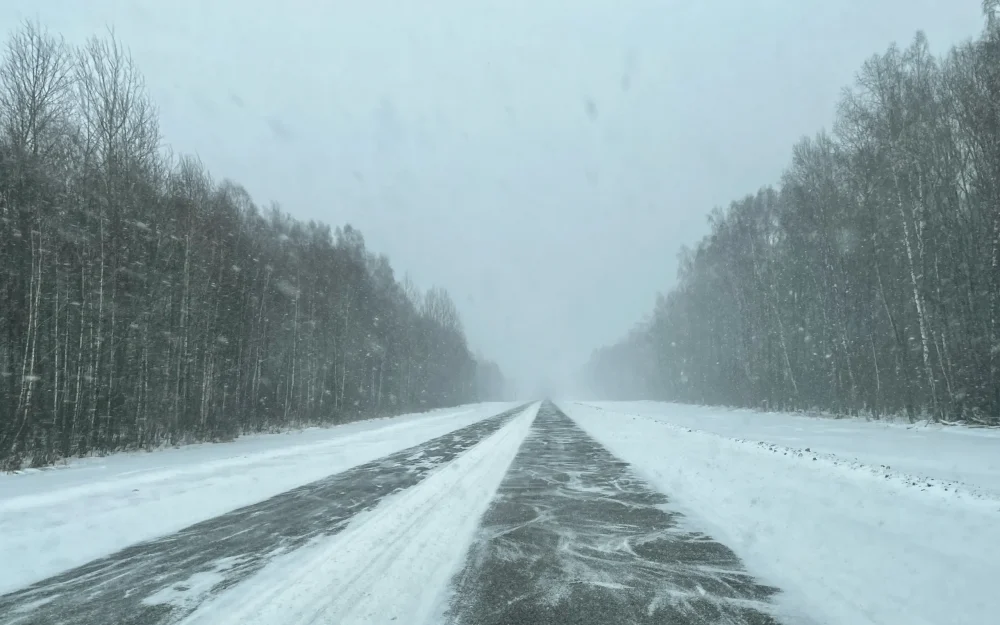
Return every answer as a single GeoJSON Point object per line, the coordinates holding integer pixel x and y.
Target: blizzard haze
{"type": "Point", "coordinates": [542, 160]}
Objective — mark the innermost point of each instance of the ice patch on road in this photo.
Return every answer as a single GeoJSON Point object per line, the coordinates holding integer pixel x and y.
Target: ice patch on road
{"type": "Point", "coordinates": [390, 564]}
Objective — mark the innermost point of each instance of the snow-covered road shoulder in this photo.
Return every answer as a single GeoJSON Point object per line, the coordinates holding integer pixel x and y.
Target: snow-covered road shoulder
{"type": "Point", "coordinates": [965, 457]}
{"type": "Point", "coordinates": [846, 544]}
{"type": "Point", "coordinates": [391, 564]}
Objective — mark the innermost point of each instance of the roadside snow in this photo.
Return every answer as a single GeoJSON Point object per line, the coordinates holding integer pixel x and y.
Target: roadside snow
{"type": "Point", "coordinates": [969, 456]}
{"type": "Point", "coordinates": [392, 564]}
{"type": "Point", "coordinates": [847, 544]}
{"type": "Point", "coordinates": [56, 519]}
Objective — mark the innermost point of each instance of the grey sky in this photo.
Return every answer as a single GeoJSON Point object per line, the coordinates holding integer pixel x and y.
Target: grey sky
{"type": "Point", "coordinates": [541, 159]}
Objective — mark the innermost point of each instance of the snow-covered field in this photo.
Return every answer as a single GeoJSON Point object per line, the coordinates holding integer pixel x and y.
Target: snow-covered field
{"type": "Point", "coordinates": [848, 540]}
{"type": "Point", "coordinates": [55, 519]}
{"type": "Point", "coordinates": [392, 564]}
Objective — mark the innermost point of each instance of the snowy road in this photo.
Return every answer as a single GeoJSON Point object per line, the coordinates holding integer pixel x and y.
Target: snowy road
{"type": "Point", "coordinates": [517, 518]}
{"type": "Point", "coordinates": [161, 580]}
{"type": "Point", "coordinates": [574, 536]}
{"type": "Point", "coordinates": [616, 513]}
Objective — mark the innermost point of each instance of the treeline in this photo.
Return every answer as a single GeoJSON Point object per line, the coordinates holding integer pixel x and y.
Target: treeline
{"type": "Point", "coordinates": [869, 281]}
{"type": "Point", "coordinates": [144, 303]}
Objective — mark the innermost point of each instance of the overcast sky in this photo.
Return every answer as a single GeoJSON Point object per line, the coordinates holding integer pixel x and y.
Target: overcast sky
{"type": "Point", "coordinates": [543, 160]}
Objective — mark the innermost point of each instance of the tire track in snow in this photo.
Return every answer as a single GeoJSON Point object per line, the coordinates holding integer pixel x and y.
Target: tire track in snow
{"type": "Point", "coordinates": [574, 536]}
{"type": "Point", "coordinates": [162, 580]}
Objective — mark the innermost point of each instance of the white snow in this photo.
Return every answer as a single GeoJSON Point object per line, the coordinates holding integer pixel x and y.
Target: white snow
{"type": "Point", "coordinates": [392, 564]}
{"type": "Point", "coordinates": [969, 456]}
{"type": "Point", "coordinates": [53, 520]}
{"type": "Point", "coordinates": [848, 542]}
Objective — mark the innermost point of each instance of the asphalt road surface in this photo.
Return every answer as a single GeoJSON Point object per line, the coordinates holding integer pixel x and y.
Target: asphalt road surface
{"type": "Point", "coordinates": [572, 537]}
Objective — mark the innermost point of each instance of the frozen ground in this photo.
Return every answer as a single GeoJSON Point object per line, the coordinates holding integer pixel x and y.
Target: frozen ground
{"type": "Point", "coordinates": [808, 506]}
{"type": "Point", "coordinates": [55, 519]}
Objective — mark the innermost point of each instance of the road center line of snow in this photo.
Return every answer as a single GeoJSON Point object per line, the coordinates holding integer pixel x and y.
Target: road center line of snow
{"type": "Point", "coordinates": [390, 563]}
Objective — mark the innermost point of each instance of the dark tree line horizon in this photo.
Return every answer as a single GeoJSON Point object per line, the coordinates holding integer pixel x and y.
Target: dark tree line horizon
{"type": "Point", "coordinates": [145, 303]}
{"type": "Point", "coordinates": [868, 281]}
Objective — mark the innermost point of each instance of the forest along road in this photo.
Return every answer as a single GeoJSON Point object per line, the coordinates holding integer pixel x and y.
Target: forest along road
{"type": "Point", "coordinates": [519, 518]}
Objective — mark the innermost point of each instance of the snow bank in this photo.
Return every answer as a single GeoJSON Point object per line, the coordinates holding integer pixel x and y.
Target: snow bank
{"type": "Point", "coordinates": [968, 456]}
{"type": "Point", "coordinates": [847, 545]}
{"type": "Point", "coordinates": [391, 564]}
{"type": "Point", "coordinates": [56, 519]}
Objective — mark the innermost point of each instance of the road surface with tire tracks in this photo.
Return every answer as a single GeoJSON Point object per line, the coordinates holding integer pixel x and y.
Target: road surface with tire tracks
{"type": "Point", "coordinates": [571, 535]}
